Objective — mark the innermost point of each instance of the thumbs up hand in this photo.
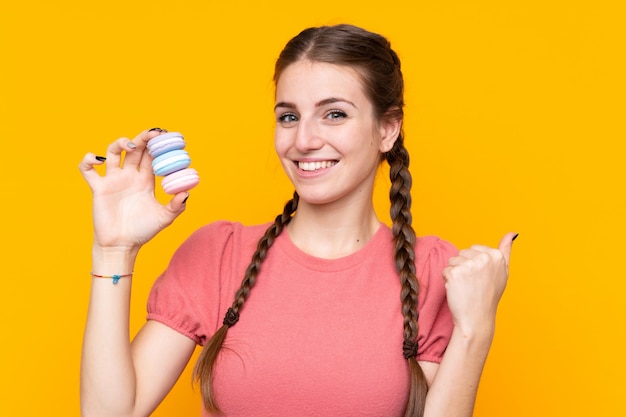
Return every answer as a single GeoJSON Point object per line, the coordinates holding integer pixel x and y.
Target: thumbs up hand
{"type": "Point", "coordinates": [475, 281]}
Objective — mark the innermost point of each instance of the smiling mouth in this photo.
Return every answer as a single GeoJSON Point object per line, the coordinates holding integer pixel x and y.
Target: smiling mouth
{"type": "Point", "coordinates": [314, 166]}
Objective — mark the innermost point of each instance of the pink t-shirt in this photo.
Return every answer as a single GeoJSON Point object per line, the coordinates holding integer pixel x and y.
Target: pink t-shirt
{"type": "Point", "coordinates": [316, 337]}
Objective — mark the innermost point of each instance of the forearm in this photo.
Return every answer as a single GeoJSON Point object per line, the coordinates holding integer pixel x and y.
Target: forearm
{"type": "Point", "coordinates": [453, 390]}
{"type": "Point", "coordinates": [108, 384]}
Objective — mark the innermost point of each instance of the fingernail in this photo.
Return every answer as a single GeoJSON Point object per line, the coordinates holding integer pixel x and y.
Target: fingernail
{"type": "Point", "coordinates": [101, 158]}
{"type": "Point", "coordinates": [515, 237]}
{"type": "Point", "coordinates": [155, 128]}
{"type": "Point", "coordinates": [131, 145]}
{"type": "Point", "coordinates": [186, 197]}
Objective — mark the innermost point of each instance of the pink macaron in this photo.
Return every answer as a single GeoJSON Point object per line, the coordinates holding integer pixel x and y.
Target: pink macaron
{"type": "Point", "coordinates": [182, 180]}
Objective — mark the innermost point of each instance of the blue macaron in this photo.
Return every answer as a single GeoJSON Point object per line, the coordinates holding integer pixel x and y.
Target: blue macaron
{"type": "Point", "coordinates": [171, 162]}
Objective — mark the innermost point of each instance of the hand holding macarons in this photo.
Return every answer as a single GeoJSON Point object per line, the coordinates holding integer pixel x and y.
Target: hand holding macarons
{"type": "Point", "coordinates": [172, 162]}
{"type": "Point", "coordinates": [125, 211]}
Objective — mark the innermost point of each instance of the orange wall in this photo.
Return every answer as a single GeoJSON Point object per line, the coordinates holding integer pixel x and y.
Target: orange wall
{"type": "Point", "coordinates": [515, 120]}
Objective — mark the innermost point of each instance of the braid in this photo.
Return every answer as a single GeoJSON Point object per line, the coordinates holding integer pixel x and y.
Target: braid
{"type": "Point", "coordinates": [261, 252]}
{"type": "Point", "coordinates": [404, 256]}
{"type": "Point", "coordinates": [203, 372]}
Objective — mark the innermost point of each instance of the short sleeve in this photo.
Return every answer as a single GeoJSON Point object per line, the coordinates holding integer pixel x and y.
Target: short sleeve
{"type": "Point", "coordinates": [187, 296]}
{"type": "Point", "coordinates": [435, 319]}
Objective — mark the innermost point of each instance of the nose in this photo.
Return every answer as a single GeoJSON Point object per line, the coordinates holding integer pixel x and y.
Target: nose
{"type": "Point", "coordinates": [308, 136]}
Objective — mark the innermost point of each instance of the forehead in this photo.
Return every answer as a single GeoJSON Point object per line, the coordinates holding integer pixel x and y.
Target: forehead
{"type": "Point", "coordinates": [306, 79]}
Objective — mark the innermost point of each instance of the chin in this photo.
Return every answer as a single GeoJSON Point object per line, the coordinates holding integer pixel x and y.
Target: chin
{"type": "Point", "coordinates": [320, 197]}
{"type": "Point", "coordinates": [315, 200]}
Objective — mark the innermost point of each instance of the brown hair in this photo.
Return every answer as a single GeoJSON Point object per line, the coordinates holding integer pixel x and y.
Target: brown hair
{"type": "Point", "coordinates": [379, 67]}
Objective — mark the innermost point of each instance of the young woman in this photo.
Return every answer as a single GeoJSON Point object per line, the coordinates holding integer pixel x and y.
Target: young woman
{"type": "Point", "coordinates": [325, 311]}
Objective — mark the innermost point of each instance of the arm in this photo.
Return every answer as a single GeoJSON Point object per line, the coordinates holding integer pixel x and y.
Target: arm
{"type": "Point", "coordinates": [454, 382]}
{"type": "Point", "coordinates": [475, 281]}
{"type": "Point", "coordinates": [123, 379]}
{"type": "Point", "coordinates": [118, 379]}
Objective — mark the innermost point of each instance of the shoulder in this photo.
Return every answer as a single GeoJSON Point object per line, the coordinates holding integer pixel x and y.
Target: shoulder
{"type": "Point", "coordinates": [201, 278]}
{"type": "Point", "coordinates": [218, 240]}
{"type": "Point", "coordinates": [224, 228]}
{"type": "Point", "coordinates": [434, 247]}
{"type": "Point", "coordinates": [431, 257]}
{"type": "Point", "coordinates": [428, 249]}
{"type": "Point", "coordinates": [220, 233]}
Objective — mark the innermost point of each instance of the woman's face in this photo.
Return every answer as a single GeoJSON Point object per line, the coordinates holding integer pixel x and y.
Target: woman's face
{"type": "Point", "coordinates": [327, 137]}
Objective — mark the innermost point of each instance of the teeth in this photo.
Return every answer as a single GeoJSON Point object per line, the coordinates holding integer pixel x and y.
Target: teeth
{"type": "Point", "coordinates": [314, 166]}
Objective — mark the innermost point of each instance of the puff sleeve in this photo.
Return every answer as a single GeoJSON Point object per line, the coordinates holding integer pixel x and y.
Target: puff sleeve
{"type": "Point", "coordinates": [189, 295]}
{"type": "Point", "coordinates": [435, 319]}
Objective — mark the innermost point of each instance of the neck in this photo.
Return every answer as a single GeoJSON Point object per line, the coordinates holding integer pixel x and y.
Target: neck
{"type": "Point", "coordinates": [328, 231]}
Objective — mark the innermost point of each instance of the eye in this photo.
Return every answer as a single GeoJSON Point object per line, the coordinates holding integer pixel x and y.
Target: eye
{"type": "Point", "coordinates": [336, 115]}
{"type": "Point", "coordinates": [287, 118]}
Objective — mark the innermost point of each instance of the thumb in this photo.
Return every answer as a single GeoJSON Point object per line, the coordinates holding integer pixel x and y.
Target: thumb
{"type": "Point", "coordinates": [505, 245]}
{"type": "Point", "coordinates": [177, 204]}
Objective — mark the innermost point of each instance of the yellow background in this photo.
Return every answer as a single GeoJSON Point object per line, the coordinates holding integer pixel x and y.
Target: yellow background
{"type": "Point", "coordinates": [515, 121]}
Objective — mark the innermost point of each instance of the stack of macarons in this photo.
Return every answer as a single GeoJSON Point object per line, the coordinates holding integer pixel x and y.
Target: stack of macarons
{"type": "Point", "coordinates": [172, 162]}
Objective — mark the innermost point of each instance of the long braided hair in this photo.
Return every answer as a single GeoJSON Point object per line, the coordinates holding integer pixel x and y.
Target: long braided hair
{"type": "Point", "coordinates": [379, 67]}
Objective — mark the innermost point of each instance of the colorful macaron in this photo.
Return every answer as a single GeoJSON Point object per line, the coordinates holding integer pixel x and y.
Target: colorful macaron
{"type": "Point", "coordinates": [171, 161]}
{"type": "Point", "coordinates": [165, 143]}
{"type": "Point", "coordinates": [182, 180]}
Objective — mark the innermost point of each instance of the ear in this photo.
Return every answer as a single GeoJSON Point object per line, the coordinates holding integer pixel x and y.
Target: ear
{"type": "Point", "coordinates": [389, 129]}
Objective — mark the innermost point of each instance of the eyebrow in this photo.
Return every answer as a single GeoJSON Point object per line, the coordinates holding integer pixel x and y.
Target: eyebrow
{"type": "Point", "coordinates": [321, 103]}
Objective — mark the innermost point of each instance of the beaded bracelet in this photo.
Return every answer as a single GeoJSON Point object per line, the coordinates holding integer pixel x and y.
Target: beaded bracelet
{"type": "Point", "coordinates": [116, 278]}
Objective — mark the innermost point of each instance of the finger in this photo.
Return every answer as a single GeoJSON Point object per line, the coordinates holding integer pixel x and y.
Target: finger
{"type": "Point", "coordinates": [114, 153]}
{"type": "Point", "coordinates": [506, 243]}
{"type": "Point", "coordinates": [158, 129]}
{"type": "Point", "coordinates": [456, 260]}
{"type": "Point", "coordinates": [446, 273]}
{"type": "Point", "coordinates": [136, 148]}
{"type": "Point", "coordinates": [142, 139]}
{"type": "Point", "coordinates": [481, 248]}
{"type": "Point", "coordinates": [86, 167]}
{"type": "Point", "coordinates": [177, 205]}
{"type": "Point", "coordinates": [470, 253]}
{"type": "Point", "coordinates": [145, 163]}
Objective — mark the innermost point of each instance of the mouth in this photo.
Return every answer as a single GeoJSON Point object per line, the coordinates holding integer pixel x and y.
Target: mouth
{"type": "Point", "coordinates": [315, 166]}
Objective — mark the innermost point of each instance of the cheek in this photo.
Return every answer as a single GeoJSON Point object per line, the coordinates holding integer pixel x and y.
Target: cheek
{"type": "Point", "coordinates": [373, 142]}
{"type": "Point", "coordinates": [280, 142]}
